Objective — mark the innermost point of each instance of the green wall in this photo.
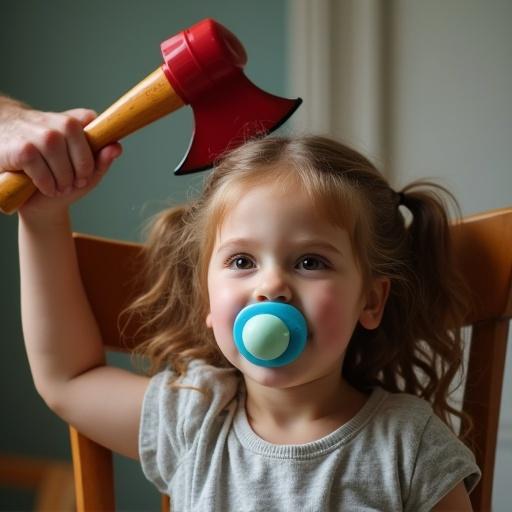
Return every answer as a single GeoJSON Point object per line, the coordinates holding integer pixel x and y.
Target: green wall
{"type": "Point", "coordinates": [59, 55]}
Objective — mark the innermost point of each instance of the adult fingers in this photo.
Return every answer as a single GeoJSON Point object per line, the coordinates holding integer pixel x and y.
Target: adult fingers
{"type": "Point", "coordinates": [80, 153]}
{"type": "Point", "coordinates": [106, 156]}
{"type": "Point", "coordinates": [34, 165]}
{"type": "Point", "coordinates": [54, 149]}
{"type": "Point", "coordinates": [83, 115]}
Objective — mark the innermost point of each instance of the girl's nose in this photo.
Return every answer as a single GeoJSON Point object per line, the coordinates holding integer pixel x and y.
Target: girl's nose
{"type": "Point", "coordinates": [274, 287]}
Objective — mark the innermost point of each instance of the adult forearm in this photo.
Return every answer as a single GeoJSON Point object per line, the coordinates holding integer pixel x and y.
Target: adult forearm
{"type": "Point", "coordinates": [61, 334]}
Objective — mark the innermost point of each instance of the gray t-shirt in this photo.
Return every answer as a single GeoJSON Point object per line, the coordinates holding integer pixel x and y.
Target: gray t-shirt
{"type": "Point", "coordinates": [394, 454]}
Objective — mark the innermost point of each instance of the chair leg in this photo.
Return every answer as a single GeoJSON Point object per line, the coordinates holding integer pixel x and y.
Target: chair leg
{"type": "Point", "coordinates": [94, 474]}
{"type": "Point", "coordinates": [165, 503]}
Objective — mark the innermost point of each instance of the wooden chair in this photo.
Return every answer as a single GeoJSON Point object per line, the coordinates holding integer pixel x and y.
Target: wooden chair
{"type": "Point", "coordinates": [484, 252]}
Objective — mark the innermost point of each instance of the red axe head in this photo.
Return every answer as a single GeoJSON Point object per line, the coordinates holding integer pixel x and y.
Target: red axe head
{"type": "Point", "coordinates": [204, 66]}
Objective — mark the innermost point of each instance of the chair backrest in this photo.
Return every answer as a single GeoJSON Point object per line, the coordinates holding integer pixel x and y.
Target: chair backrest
{"type": "Point", "coordinates": [108, 268]}
{"type": "Point", "coordinates": [483, 245]}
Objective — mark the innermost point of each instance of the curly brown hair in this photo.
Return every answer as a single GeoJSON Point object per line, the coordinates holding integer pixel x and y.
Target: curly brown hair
{"type": "Point", "coordinates": [415, 349]}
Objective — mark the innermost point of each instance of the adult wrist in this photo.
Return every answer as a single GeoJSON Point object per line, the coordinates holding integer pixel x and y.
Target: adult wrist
{"type": "Point", "coordinates": [9, 105]}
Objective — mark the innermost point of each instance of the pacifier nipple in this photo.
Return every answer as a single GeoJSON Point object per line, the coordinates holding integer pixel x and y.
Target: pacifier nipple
{"type": "Point", "coordinates": [270, 334]}
{"type": "Point", "coordinates": [265, 336]}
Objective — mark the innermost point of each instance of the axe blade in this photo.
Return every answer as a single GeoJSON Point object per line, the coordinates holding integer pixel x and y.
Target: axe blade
{"type": "Point", "coordinates": [204, 65]}
{"type": "Point", "coordinates": [230, 116]}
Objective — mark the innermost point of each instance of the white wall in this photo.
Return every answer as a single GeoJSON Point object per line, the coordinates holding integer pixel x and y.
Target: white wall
{"type": "Point", "coordinates": [424, 88]}
{"type": "Point", "coordinates": [451, 92]}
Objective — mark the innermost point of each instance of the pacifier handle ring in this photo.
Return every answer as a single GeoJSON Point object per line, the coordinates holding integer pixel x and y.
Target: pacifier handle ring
{"type": "Point", "coordinates": [293, 319]}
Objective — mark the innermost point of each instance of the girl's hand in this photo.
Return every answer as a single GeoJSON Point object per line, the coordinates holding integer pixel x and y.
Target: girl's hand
{"type": "Point", "coordinates": [52, 149]}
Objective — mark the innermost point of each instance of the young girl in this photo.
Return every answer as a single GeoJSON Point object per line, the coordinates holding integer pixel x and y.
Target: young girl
{"type": "Point", "coordinates": [357, 419]}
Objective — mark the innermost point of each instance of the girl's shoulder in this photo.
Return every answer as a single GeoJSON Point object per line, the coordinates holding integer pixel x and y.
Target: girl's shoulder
{"type": "Point", "coordinates": [408, 416]}
{"type": "Point", "coordinates": [201, 375]}
{"type": "Point", "coordinates": [404, 406]}
{"type": "Point", "coordinates": [408, 424]}
{"type": "Point", "coordinates": [200, 368]}
{"type": "Point", "coordinates": [407, 420]}
{"type": "Point", "coordinates": [202, 387]}
{"type": "Point", "coordinates": [177, 412]}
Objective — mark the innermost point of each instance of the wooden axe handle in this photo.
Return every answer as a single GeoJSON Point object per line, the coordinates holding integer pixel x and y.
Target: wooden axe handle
{"type": "Point", "coordinates": [149, 100]}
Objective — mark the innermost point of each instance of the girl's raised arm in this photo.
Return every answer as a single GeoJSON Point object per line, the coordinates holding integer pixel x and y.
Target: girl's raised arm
{"type": "Point", "coordinates": [62, 338]}
{"type": "Point", "coordinates": [64, 346]}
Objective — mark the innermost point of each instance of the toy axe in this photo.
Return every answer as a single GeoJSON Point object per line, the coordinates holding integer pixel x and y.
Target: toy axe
{"type": "Point", "coordinates": [203, 67]}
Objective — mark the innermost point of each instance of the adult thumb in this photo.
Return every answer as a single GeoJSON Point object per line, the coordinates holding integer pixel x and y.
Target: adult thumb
{"type": "Point", "coordinates": [83, 115]}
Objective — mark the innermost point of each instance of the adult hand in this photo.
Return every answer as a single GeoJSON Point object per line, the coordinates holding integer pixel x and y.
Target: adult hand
{"type": "Point", "coordinates": [52, 149]}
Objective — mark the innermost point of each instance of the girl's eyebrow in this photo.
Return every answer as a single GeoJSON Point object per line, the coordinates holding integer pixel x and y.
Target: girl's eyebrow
{"type": "Point", "coordinates": [319, 244]}
{"type": "Point", "coordinates": [305, 243]}
{"type": "Point", "coordinates": [237, 242]}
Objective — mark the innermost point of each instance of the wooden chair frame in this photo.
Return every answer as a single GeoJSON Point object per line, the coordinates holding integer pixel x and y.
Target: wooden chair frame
{"type": "Point", "coordinates": [483, 245]}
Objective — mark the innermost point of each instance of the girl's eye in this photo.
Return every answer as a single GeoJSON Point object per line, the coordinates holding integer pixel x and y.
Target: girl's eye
{"type": "Point", "coordinates": [239, 262]}
{"type": "Point", "coordinates": [312, 263]}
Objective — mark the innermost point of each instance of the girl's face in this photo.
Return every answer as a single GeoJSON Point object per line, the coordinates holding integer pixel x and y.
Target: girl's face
{"type": "Point", "coordinates": [275, 247]}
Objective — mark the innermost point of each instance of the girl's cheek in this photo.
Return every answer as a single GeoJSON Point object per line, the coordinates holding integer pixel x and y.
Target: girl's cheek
{"type": "Point", "coordinates": [225, 304]}
{"type": "Point", "coordinates": [223, 310]}
{"type": "Point", "coordinates": [324, 302]}
{"type": "Point", "coordinates": [223, 334]}
{"type": "Point", "coordinates": [326, 313]}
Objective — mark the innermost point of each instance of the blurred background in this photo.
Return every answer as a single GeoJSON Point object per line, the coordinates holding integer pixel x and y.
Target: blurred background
{"type": "Point", "coordinates": [421, 88]}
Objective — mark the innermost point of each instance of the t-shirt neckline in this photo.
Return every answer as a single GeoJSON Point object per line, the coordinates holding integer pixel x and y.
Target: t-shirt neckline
{"type": "Point", "coordinates": [343, 434]}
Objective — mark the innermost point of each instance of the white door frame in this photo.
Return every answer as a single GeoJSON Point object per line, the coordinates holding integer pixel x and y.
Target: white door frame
{"type": "Point", "coordinates": [338, 54]}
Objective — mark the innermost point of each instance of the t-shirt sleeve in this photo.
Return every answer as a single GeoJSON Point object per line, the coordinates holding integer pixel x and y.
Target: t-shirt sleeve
{"type": "Point", "coordinates": [442, 461]}
{"type": "Point", "coordinates": [173, 417]}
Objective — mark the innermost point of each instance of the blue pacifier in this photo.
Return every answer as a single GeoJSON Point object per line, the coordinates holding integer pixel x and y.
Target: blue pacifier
{"type": "Point", "coordinates": [270, 334]}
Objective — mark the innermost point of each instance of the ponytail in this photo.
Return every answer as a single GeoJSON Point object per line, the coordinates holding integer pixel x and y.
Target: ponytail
{"type": "Point", "coordinates": [440, 300]}
{"type": "Point", "coordinates": [416, 348]}
{"type": "Point", "coordinates": [171, 310]}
